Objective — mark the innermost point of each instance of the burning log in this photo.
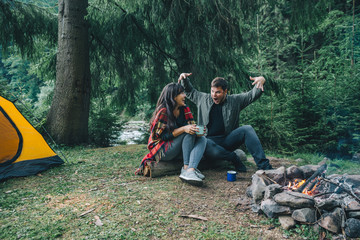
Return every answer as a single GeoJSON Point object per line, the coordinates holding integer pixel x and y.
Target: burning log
{"type": "Point", "coordinates": [318, 172]}
{"type": "Point", "coordinates": [313, 184]}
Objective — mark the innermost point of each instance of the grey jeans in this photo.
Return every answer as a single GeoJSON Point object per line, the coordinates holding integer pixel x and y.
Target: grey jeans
{"type": "Point", "coordinates": [191, 147]}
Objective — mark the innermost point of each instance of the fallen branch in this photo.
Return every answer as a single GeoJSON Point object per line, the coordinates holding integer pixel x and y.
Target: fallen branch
{"type": "Point", "coordinates": [263, 175]}
{"type": "Point", "coordinates": [195, 217]}
{"type": "Point", "coordinates": [344, 188]}
{"type": "Point", "coordinates": [86, 212]}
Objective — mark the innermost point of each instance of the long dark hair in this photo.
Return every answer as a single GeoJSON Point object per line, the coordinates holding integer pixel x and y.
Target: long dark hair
{"type": "Point", "coordinates": [166, 100]}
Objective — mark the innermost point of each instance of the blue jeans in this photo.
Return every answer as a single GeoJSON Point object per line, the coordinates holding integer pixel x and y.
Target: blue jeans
{"type": "Point", "coordinates": [191, 147]}
{"type": "Point", "coordinates": [222, 147]}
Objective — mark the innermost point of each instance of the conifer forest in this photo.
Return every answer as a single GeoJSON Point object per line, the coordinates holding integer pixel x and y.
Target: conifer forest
{"type": "Point", "coordinates": [84, 67]}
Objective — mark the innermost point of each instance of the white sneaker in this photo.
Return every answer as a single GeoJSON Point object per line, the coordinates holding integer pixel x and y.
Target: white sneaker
{"type": "Point", "coordinates": [191, 177]}
{"type": "Point", "coordinates": [197, 171]}
{"type": "Point", "coordinates": [241, 154]}
{"type": "Point", "coordinates": [200, 175]}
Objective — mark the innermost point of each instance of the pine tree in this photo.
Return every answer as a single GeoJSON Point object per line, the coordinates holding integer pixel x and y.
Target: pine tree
{"type": "Point", "coordinates": [69, 113]}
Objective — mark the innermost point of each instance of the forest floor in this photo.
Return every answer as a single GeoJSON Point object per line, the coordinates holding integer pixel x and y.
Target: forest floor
{"type": "Point", "coordinates": [97, 196]}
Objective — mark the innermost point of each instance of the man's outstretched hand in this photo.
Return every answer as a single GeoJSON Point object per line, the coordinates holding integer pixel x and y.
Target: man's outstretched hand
{"type": "Point", "coordinates": [183, 76]}
{"type": "Point", "coordinates": [258, 82]}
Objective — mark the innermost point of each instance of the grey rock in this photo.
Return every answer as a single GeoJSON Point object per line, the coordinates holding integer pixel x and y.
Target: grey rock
{"type": "Point", "coordinates": [277, 175]}
{"type": "Point", "coordinates": [333, 176]}
{"type": "Point", "coordinates": [309, 170]}
{"type": "Point", "coordinates": [350, 204]}
{"type": "Point", "coordinates": [293, 172]}
{"type": "Point", "coordinates": [350, 179]}
{"type": "Point", "coordinates": [248, 192]}
{"type": "Point", "coordinates": [354, 215]}
{"type": "Point", "coordinates": [257, 188]}
{"type": "Point", "coordinates": [272, 209]}
{"type": "Point", "coordinates": [287, 222]}
{"type": "Point", "coordinates": [332, 221]}
{"type": "Point", "coordinates": [294, 199]}
{"type": "Point", "coordinates": [353, 180]}
{"type": "Point", "coordinates": [256, 208]}
{"type": "Point", "coordinates": [352, 228]}
{"type": "Point", "coordinates": [328, 204]}
{"type": "Point", "coordinates": [271, 190]}
{"type": "Point", "coordinates": [304, 215]}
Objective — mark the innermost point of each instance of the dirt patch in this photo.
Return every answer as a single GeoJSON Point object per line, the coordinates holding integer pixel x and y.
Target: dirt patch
{"type": "Point", "coordinates": [77, 202]}
{"type": "Point", "coordinates": [219, 201]}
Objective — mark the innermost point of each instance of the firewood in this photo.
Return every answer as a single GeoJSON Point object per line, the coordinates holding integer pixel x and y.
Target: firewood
{"type": "Point", "coordinates": [344, 187]}
{"type": "Point", "coordinates": [318, 172]}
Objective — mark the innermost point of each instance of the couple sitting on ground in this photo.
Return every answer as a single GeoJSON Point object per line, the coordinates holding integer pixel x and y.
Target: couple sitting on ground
{"type": "Point", "coordinates": [173, 130]}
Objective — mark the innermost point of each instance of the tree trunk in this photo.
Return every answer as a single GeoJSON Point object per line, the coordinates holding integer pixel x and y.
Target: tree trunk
{"type": "Point", "coordinates": [353, 35]}
{"type": "Point", "coordinates": [68, 117]}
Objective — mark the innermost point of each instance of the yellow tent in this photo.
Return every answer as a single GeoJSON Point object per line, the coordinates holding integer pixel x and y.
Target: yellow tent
{"type": "Point", "coordinates": [23, 151]}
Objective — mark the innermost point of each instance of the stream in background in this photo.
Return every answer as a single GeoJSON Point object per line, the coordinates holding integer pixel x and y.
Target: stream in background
{"type": "Point", "coordinates": [134, 132]}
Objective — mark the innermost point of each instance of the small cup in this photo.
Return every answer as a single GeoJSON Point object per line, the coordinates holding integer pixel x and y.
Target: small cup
{"type": "Point", "coordinates": [231, 176]}
{"type": "Point", "coordinates": [201, 130]}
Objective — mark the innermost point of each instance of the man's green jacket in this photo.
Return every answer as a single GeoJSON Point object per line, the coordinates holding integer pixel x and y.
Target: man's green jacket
{"type": "Point", "coordinates": [233, 104]}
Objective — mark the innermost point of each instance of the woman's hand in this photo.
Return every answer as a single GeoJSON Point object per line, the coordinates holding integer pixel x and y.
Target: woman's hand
{"type": "Point", "coordinates": [191, 129]}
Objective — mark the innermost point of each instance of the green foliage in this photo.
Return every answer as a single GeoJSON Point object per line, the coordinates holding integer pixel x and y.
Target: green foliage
{"type": "Point", "coordinates": [314, 71]}
{"type": "Point", "coordinates": [305, 14]}
{"type": "Point", "coordinates": [199, 37]}
{"type": "Point", "coordinates": [305, 231]}
{"type": "Point", "coordinates": [4, 87]}
{"type": "Point", "coordinates": [307, 50]}
{"type": "Point", "coordinates": [23, 88]}
{"type": "Point", "coordinates": [20, 82]}
{"type": "Point", "coordinates": [104, 127]}
{"type": "Point", "coordinates": [23, 21]}
{"type": "Point", "coordinates": [115, 54]}
{"type": "Point", "coordinates": [43, 103]}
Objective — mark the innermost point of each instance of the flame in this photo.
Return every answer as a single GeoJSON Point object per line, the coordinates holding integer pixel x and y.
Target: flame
{"type": "Point", "coordinates": [297, 183]}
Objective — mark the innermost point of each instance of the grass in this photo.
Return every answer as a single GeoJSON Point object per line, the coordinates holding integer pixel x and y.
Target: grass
{"type": "Point", "coordinates": [335, 166]}
{"type": "Point", "coordinates": [101, 181]}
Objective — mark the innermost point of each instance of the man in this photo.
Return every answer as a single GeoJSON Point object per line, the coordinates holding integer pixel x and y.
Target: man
{"type": "Point", "coordinates": [220, 113]}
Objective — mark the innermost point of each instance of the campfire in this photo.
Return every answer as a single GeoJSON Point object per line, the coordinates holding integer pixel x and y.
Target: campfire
{"type": "Point", "coordinates": [306, 195]}
{"type": "Point", "coordinates": [296, 184]}
{"type": "Point", "coordinates": [308, 186]}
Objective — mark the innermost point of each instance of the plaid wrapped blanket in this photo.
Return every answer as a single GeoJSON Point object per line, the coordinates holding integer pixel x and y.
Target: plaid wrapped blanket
{"type": "Point", "coordinates": [156, 145]}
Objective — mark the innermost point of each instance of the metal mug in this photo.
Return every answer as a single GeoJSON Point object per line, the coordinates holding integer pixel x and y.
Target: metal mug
{"type": "Point", "coordinates": [231, 176]}
{"type": "Point", "coordinates": [201, 130]}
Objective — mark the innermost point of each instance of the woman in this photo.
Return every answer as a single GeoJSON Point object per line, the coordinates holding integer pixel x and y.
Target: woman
{"type": "Point", "coordinates": [173, 132]}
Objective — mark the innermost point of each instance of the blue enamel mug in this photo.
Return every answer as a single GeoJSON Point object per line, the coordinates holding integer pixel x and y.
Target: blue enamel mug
{"type": "Point", "coordinates": [231, 176]}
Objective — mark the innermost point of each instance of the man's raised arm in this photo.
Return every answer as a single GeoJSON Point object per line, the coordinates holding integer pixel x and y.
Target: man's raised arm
{"type": "Point", "coordinates": [258, 82]}
{"type": "Point", "coordinates": [191, 93]}
{"type": "Point", "coordinates": [184, 81]}
{"type": "Point", "coordinates": [246, 98]}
